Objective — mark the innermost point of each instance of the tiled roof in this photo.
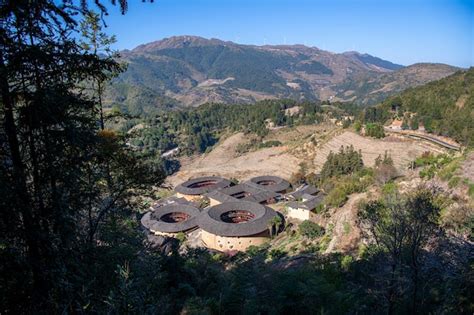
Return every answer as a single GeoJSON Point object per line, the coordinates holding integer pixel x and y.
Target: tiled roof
{"type": "Point", "coordinates": [211, 220]}
{"type": "Point", "coordinates": [187, 189]}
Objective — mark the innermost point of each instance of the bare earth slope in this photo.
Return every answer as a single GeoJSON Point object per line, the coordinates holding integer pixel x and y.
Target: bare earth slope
{"type": "Point", "coordinates": [402, 150]}
{"type": "Point", "coordinates": [223, 161]}
{"type": "Point", "coordinates": [284, 160]}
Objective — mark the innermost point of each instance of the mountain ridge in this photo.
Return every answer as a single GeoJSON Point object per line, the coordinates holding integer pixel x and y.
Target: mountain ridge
{"type": "Point", "coordinates": [192, 70]}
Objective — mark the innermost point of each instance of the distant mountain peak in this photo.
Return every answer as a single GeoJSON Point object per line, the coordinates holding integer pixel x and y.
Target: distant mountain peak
{"type": "Point", "coordinates": [181, 41]}
{"type": "Point", "coordinates": [192, 70]}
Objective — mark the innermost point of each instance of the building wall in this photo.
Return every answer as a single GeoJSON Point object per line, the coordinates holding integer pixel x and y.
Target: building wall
{"type": "Point", "coordinates": [213, 202]}
{"type": "Point", "coordinates": [226, 243]}
{"type": "Point", "coordinates": [171, 234]}
{"type": "Point", "coordinates": [300, 214]}
{"type": "Point", "coordinates": [163, 233]}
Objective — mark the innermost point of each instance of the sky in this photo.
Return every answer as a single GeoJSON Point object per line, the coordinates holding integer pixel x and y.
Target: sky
{"type": "Point", "coordinates": [404, 31]}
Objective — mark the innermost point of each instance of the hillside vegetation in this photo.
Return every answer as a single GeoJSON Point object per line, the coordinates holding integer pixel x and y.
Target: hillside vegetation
{"type": "Point", "coordinates": [444, 107]}
{"type": "Point", "coordinates": [190, 71]}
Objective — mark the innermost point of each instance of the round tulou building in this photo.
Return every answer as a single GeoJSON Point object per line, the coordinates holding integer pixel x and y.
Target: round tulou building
{"type": "Point", "coordinates": [194, 189]}
{"type": "Point", "coordinates": [236, 225]}
{"type": "Point", "coordinates": [271, 183]}
{"type": "Point", "coordinates": [171, 219]}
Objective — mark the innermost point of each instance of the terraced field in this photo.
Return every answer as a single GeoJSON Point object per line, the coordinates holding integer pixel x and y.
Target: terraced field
{"type": "Point", "coordinates": [402, 150]}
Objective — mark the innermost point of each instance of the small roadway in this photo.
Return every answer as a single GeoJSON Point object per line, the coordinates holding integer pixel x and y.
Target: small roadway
{"type": "Point", "coordinates": [425, 137]}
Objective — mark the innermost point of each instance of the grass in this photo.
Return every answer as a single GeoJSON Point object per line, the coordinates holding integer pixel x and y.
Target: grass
{"type": "Point", "coordinates": [344, 186]}
{"type": "Point", "coordinates": [470, 191]}
{"type": "Point", "coordinates": [347, 228]}
{"type": "Point", "coordinates": [454, 182]}
{"type": "Point", "coordinates": [448, 170]}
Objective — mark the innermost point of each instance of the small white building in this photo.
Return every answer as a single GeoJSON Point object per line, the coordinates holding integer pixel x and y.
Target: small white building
{"type": "Point", "coordinates": [396, 124]}
{"type": "Point", "coordinates": [303, 209]}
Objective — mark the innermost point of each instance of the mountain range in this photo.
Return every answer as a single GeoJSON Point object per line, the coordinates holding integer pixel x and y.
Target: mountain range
{"type": "Point", "coordinates": [191, 70]}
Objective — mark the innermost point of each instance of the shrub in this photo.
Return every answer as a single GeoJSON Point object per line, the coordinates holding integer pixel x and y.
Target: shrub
{"type": "Point", "coordinates": [384, 169]}
{"type": "Point", "coordinates": [454, 182]}
{"type": "Point", "coordinates": [389, 188]}
{"type": "Point", "coordinates": [374, 130]}
{"type": "Point", "coordinates": [470, 191]}
{"type": "Point", "coordinates": [310, 229]}
{"type": "Point", "coordinates": [346, 261]}
{"type": "Point", "coordinates": [344, 186]}
{"type": "Point", "coordinates": [346, 161]}
{"type": "Point", "coordinates": [357, 126]}
{"type": "Point", "coordinates": [276, 253]}
{"type": "Point", "coordinates": [181, 237]}
{"type": "Point", "coordinates": [269, 144]}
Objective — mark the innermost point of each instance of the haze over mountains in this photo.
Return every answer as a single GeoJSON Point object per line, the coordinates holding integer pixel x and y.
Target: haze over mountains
{"type": "Point", "coordinates": [190, 71]}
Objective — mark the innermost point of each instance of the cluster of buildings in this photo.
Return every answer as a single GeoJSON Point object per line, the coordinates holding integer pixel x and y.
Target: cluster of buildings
{"type": "Point", "coordinates": [236, 216]}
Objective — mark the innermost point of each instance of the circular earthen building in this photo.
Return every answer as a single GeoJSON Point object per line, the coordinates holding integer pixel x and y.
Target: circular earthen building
{"type": "Point", "coordinates": [171, 219]}
{"type": "Point", "coordinates": [271, 183]}
{"type": "Point", "coordinates": [235, 225]}
{"type": "Point", "coordinates": [194, 188]}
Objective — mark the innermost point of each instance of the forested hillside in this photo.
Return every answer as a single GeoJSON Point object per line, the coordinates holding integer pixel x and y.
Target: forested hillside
{"type": "Point", "coordinates": [197, 129]}
{"type": "Point", "coordinates": [190, 71]}
{"type": "Point", "coordinates": [444, 107]}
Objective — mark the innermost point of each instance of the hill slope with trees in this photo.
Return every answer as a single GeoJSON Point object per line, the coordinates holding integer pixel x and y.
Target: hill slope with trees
{"type": "Point", "coordinates": [190, 71]}
{"type": "Point", "coordinates": [444, 107]}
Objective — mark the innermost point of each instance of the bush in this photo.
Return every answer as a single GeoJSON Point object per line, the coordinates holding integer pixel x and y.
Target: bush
{"type": "Point", "coordinates": [181, 237]}
{"type": "Point", "coordinates": [384, 169]}
{"type": "Point", "coordinates": [470, 191]}
{"type": "Point", "coordinates": [310, 229]}
{"type": "Point", "coordinates": [454, 182]}
{"type": "Point", "coordinates": [269, 144]}
{"type": "Point", "coordinates": [346, 262]}
{"type": "Point", "coordinates": [276, 254]}
{"type": "Point", "coordinates": [357, 126]}
{"type": "Point", "coordinates": [342, 187]}
{"type": "Point", "coordinates": [346, 161]}
{"type": "Point", "coordinates": [374, 130]}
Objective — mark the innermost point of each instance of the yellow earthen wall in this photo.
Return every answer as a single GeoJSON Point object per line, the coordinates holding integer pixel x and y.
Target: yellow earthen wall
{"type": "Point", "coordinates": [225, 243]}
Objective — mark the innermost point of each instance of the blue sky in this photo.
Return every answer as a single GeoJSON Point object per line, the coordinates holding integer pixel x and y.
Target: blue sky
{"type": "Point", "coordinates": [402, 31]}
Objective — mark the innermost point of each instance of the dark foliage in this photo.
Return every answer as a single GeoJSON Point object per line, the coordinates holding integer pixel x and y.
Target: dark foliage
{"type": "Point", "coordinates": [346, 161]}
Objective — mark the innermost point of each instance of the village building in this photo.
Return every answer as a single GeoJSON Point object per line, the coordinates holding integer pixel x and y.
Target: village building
{"type": "Point", "coordinates": [396, 124]}
{"type": "Point", "coordinates": [304, 208]}
{"type": "Point", "coordinates": [270, 183]}
{"type": "Point", "coordinates": [170, 219]}
{"type": "Point", "coordinates": [245, 192]}
{"type": "Point", "coordinates": [194, 189]}
{"type": "Point", "coordinates": [236, 225]}
{"type": "Point", "coordinates": [302, 190]}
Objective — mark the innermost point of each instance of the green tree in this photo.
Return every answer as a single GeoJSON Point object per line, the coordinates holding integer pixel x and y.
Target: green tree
{"type": "Point", "coordinates": [55, 181]}
{"type": "Point", "coordinates": [95, 42]}
{"type": "Point", "coordinates": [401, 226]}
{"type": "Point", "coordinates": [374, 130]}
{"type": "Point", "coordinates": [310, 229]}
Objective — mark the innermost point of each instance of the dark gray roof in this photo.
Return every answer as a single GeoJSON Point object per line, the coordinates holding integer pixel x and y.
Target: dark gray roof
{"type": "Point", "coordinates": [211, 221]}
{"type": "Point", "coordinates": [261, 196]}
{"type": "Point", "coordinates": [187, 189]}
{"type": "Point", "coordinates": [306, 189]}
{"type": "Point", "coordinates": [219, 196]}
{"type": "Point", "coordinates": [169, 201]}
{"type": "Point", "coordinates": [251, 193]}
{"type": "Point", "coordinates": [151, 220]}
{"type": "Point", "coordinates": [309, 204]}
{"type": "Point", "coordinates": [273, 183]}
{"type": "Point", "coordinates": [244, 187]}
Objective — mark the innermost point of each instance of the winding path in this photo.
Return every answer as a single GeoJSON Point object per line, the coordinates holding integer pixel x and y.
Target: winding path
{"type": "Point", "coordinates": [426, 137]}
